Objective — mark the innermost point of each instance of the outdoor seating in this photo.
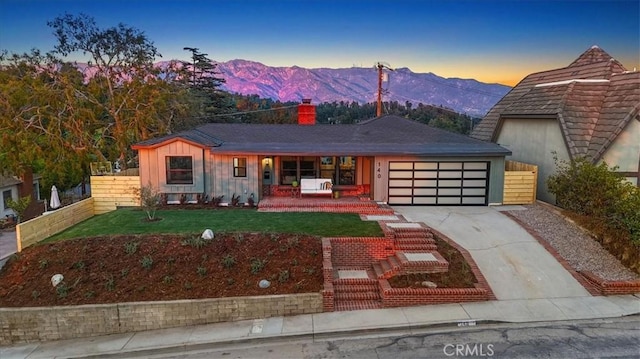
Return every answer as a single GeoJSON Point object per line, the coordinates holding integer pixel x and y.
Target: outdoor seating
{"type": "Point", "coordinates": [316, 186]}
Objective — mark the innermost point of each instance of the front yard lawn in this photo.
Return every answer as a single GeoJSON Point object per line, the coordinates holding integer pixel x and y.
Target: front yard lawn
{"type": "Point", "coordinates": [176, 221]}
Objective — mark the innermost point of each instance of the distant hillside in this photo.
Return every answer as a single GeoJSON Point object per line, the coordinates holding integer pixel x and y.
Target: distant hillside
{"type": "Point", "coordinates": [360, 85]}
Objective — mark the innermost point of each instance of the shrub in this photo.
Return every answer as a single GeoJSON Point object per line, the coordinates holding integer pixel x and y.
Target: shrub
{"type": "Point", "coordinates": [195, 242]}
{"type": "Point", "coordinates": [598, 192]}
{"type": "Point", "coordinates": [149, 200]}
{"type": "Point", "coordinates": [228, 261]}
{"type": "Point", "coordinates": [131, 247]}
{"type": "Point", "coordinates": [110, 283]}
{"type": "Point", "coordinates": [202, 271]}
{"type": "Point", "coordinates": [20, 206]}
{"type": "Point", "coordinates": [284, 276]}
{"type": "Point", "coordinates": [147, 262]}
{"type": "Point", "coordinates": [257, 265]}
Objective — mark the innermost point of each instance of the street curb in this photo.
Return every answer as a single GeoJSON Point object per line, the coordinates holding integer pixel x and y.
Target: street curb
{"type": "Point", "coordinates": [400, 329]}
{"type": "Point", "coordinates": [171, 349]}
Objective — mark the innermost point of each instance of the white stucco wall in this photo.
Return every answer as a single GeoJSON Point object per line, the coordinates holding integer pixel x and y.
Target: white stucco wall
{"type": "Point", "coordinates": [534, 141]}
{"type": "Point", "coordinates": [624, 152]}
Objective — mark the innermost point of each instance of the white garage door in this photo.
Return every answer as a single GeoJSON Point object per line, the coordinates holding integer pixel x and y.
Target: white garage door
{"type": "Point", "coordinates": [438, 183]}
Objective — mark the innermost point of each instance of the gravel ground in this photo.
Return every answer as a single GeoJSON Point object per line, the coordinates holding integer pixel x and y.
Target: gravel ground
{"type": "Point", "coordinates": [580, 250]}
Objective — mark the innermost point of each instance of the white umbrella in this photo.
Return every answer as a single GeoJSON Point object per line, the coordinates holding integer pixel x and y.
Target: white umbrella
{"type": "Point", "coordinates": [55, 200]}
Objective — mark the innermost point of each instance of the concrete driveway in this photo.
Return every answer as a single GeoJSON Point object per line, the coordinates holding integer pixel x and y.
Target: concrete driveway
{"type": "Point", "coordinates": [513, 262]}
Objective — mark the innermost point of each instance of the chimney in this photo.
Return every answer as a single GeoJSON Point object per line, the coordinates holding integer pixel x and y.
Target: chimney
{"type": "Point", "coordinates": [306, 112]}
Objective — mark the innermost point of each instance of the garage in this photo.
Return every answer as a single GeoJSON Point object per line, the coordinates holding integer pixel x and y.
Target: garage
{"type": "Point", "coordinates": [448, 183]}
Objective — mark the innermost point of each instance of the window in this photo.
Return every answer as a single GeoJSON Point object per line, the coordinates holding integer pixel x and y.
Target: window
{"type": "Point", "coordinates": [308, 167]}
{"type": "Point", "coordinates": [347, 170]}
{"type": "Point", "coordinates": [289, 170]}
{"type": "Point", "coordinates": [340, 169]}
{"type": "Point", "coordinates": [6, 195]}
{"type": "Point", "coordinates": [179, 170]}
{"type": "Point", "coordinates": [239, 167]}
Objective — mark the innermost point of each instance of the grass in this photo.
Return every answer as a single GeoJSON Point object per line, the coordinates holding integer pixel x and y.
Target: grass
{"type": "Point", "coordinates": [132, 221]}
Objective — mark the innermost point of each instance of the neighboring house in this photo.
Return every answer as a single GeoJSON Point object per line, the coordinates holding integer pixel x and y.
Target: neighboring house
{"type": "Point", "coordinates": [589, 109]}
{"type": "Point", "coordinates": [9, 189]}
{"type": "Point", "coordinates": [388, 159]}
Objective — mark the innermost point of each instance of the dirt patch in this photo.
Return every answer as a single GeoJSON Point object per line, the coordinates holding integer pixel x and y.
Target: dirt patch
{"type": "Point", "coordinates": [459, 275]}
{"type": "Point", "coordinates": [130, 268]}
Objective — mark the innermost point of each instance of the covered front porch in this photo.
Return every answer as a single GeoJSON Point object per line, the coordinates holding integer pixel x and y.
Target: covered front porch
{"type": "Point", "coordinates": [350, 176]}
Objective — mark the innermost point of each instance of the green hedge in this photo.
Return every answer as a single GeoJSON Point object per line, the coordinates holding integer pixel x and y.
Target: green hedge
{"type": "Point", "coordinates": [607, 198]}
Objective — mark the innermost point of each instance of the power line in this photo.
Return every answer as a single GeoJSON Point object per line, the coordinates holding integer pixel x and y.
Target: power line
{"type": "Point", "coordinates": [247, 112]}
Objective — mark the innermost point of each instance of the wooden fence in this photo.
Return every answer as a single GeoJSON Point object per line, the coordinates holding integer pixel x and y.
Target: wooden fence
{"type": "Point", "coordinates": [50, 223]}
{"type": "Point", "coordinates": [111, 192]}
{"type": "Point", "coordinates": [107, 194]}
{"type": "Point", "coordinates": [520, 183]}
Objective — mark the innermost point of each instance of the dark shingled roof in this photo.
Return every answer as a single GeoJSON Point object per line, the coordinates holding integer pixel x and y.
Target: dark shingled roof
{"type": "Point", "coordinates": [593, 98]}
{"type": "Point", "coordinates": [385, 135]}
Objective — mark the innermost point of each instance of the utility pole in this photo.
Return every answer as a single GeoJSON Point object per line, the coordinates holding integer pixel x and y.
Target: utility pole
{"type": "Point", "coordinates": [380, 66]}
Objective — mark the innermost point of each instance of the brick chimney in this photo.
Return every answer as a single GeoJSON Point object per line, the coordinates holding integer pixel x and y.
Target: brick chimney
{"type": "Point", "coordinates": [306, 112]}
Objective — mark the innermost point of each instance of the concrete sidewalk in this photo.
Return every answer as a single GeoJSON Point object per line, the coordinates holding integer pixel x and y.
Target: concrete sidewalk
{"type": "Point", "coordinates": [8, 245]}
{"type": "Point", "coordinates": [324, 325]}
{"type": "Point", "coordinates": [514, 263]}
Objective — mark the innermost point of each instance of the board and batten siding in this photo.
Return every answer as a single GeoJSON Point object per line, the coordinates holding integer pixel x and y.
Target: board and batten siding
{"type": "Point", "coordinates": [222, 181]}
{"type": "Point", "coordinates": [381, 174]}
{"type": "Point", "coordinates": [153, 167]}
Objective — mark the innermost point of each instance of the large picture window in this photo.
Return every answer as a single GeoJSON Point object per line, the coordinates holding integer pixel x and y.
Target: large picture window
{"type": "Point", "coordinates": [239, 167]}
{"type": "Point", "coordinates": [341, 170]}
{"type": "Point", "coordinates": [179, 169]}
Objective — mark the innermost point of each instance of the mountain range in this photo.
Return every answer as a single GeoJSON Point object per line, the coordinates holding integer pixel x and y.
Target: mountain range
{"type": "Point", "coordinates": [467, 96]}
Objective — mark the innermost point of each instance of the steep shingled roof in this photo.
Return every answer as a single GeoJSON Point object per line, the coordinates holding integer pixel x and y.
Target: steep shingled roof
{"type": "Point", "coordinates": [385, 135]}
{"type": "Point", "coordinates": [593, 99]}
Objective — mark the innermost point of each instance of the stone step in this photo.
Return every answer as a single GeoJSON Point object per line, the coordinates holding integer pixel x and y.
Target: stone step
{"type": "Point", "coordinates": [358, 305]}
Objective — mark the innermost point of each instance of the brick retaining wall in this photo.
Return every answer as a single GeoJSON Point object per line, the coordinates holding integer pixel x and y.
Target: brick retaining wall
{"type": "Point", "coordinates": [20, 325]}
{"type": "Point", "coordinates": [360, 251]}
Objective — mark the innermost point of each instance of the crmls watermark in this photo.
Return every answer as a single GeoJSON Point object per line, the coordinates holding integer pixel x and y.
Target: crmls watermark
{"type": "Point", "coordinates": [468, 350]}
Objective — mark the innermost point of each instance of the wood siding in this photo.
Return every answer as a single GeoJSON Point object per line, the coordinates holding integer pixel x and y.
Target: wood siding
{"type": "Point", "coordinates": [222, 182]}
{"type": "Point", "coordinates": [153, 168]}
{"type": "Point", "coordinates": [110, 192]}
{"type": "Point", "coordinates": [520, 182]}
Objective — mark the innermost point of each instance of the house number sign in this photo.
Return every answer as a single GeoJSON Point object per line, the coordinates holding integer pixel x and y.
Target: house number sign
{"type": "Point", "coordinates": [379, 171]}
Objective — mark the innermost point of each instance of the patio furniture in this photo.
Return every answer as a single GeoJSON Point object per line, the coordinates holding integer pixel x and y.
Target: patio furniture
{"type": "Point", "coordinates": [316, 186]}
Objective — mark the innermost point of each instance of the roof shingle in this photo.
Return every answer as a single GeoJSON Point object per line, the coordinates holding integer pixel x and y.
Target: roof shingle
{"type": "Point", "coordinates": [593, 99]}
